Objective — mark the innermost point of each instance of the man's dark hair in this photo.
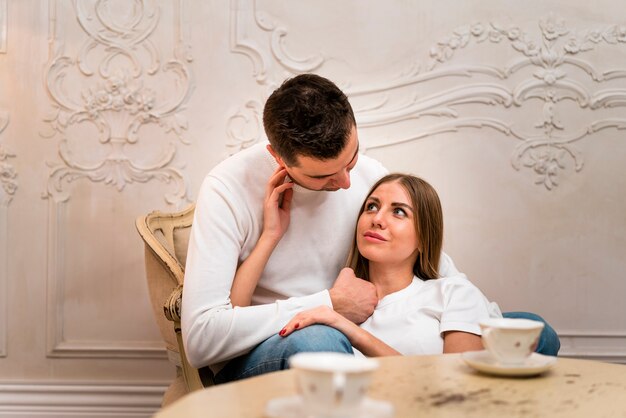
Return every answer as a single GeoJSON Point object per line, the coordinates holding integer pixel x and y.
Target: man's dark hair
{"type": "Point", "coordinates": [308, 115]}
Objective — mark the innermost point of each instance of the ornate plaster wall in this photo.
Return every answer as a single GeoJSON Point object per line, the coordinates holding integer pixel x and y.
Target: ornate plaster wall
{"type": "Point", "coordinates": [111, 108]}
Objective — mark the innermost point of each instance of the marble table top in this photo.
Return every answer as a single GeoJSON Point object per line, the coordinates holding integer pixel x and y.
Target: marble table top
{"type": "Point", "coordinates": [439, 386]}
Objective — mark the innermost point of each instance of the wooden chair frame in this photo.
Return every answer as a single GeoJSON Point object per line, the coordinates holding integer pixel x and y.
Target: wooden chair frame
{"type": "Point", "coordinates": [158, 230]}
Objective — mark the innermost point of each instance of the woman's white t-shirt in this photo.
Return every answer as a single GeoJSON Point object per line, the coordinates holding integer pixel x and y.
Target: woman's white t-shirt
{"type": "Point", "coordinates": [413, 320]}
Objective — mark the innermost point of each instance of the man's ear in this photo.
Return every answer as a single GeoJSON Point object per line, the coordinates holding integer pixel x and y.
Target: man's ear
{"type": "Point", "coordinates": [276, 156]}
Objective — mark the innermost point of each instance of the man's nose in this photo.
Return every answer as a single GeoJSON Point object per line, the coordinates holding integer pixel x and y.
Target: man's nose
{"type": "Point", "coordinates": [342, 180]}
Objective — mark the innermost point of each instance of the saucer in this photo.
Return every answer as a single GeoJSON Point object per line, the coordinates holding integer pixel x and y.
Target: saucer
{"type": "Point", "coordinates": [484, 362]}
{"type": "Point", "coordinates": [292, 407]}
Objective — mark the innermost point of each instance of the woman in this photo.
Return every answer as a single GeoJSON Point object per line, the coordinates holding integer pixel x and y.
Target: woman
{"type": "Point", "coordinates": [397, 247]}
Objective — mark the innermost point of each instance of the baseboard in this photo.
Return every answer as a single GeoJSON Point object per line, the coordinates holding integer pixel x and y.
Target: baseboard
{"type": "Point", "coordinates": [596, 345]}
{"type": "Point", "coordinates": [60, 399]}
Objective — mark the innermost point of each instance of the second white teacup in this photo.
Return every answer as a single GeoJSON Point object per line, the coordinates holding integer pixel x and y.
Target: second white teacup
{"type": "Point", "coordinates": [511, 340]}
{"type": "Point", "coordinates": [332, 384]}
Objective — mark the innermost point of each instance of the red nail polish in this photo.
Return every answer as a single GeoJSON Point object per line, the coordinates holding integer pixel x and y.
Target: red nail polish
{"type": "Point", "coordinates": [282, 332]}
{"type": "Point", "coordinates": [297, 325]}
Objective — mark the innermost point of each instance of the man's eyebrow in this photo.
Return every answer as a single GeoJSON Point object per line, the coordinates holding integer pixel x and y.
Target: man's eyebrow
{"type": "Point", "coordinates": [321, 176]}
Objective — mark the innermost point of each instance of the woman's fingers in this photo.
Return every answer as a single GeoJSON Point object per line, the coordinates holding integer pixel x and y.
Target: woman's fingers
{"type": "Point", "coordinates": [287, 196]}
{"type": "Point", "coordinates": [319, 315]}
{"type": "Point", "coordinates": [277, 178]}
{"type": "Point", "coordinates": [275, 196]}
{"type": "Point", "coordinates": [276, 186]}
{"type": "Point", "coordinates": [295, 324]}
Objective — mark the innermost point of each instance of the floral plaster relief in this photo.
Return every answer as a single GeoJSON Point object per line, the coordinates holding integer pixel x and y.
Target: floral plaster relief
{"type": "Point", "coordinates": [3, 26]}
{"type": "Point", "coordinates": [8, 175]}
{"type": "Point", "coordinates": [548, 74]}
{"type": "Point", "coordinates": [116, 78]}
{"type": "Point", "coordinates": [550, 60]}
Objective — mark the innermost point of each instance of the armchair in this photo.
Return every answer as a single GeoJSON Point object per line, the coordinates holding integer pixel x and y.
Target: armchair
{"type": "Point", "coordinates": [166, 236]}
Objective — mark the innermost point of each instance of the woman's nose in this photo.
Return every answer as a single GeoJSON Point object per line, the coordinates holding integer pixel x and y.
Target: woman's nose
{"type": "Point", "coordinates": [378, 220]}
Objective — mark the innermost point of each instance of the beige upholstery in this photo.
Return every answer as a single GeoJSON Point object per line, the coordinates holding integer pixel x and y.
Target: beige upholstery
{"type": "Point", "coordinates": [166, 236]}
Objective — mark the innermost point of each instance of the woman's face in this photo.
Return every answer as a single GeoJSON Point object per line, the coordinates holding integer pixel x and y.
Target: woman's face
{"type": "Point", "coordinates": [386, 230]}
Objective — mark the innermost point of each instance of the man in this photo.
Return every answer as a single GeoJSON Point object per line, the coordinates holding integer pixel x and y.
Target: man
{"type": "Point", "coordinates": [312, 135]}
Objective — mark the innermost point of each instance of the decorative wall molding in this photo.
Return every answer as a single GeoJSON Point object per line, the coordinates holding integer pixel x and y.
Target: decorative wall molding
{"type": "Point", "coordinates": [270, 65]}
{"type": "Point", "coordinates": [593, 345]}
{"type": "Point", "coordinates": [553, 64]}
{"type": "Point", "coordinates": [60, 399]}
{"type": "Point", "coordinates": [245, 128]}
{"type": "Point", "coordinates": [8, 187]}
{"type": "Point", "coordinates": [8, 174]}
{"type": "Point", "coordinates": [116, 99]}
{"type": "Point", "coordinates": [260, 36]}
{"type": "Point", "coordinates": [113, 82]}
{"type": "Point", "coordinates": [57, 344]}
{"type": "Point", "coordinates": [4, 23]}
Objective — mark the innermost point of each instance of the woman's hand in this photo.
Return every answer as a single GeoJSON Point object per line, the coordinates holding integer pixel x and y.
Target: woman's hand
{"type": "Point", "coordinates": [321, 315]}
{"type": "Point", "coordinates": [275, 223]}
{"type": "Point", "coordinates": [362, 340]}
{"type": "Point", "coordinates": [277, 206]}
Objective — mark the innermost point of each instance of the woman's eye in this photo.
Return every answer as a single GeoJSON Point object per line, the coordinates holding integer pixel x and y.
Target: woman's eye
{"type": "Point", "coordinates": [370, 207]}
{"type": "Point", "coordinates": [398, 211]}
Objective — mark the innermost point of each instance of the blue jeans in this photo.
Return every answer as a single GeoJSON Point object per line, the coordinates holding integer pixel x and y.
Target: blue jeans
{"type": "Point", "coordinates": [549, 343]}
{"type": "Point", "coordinates": [272, 354]}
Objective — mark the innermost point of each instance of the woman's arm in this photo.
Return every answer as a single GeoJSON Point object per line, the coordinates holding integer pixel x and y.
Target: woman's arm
{"type": "Point", "coordinates": [362, 340]}
{"type": "Point", "coordinates": [249, 272]}
{"type": "Point", "coordinates": [459, 341]}
{"type": "Point", "coordinates": [275, 222]}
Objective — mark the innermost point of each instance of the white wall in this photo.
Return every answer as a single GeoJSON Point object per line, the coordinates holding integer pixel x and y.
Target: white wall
{"type": "Point", "coordinates": [514, 111]}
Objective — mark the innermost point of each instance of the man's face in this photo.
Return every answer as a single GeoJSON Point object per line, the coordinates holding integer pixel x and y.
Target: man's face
{"type": "Point", "coordinates": [329, 175]}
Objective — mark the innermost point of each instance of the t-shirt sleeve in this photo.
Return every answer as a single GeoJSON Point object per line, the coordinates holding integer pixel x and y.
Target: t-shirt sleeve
{"type": "Point", "coordinates": [464, 306]}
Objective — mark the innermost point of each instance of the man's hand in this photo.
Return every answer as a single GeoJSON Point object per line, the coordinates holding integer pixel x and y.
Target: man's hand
{"type": "Point", "coordinates": [352, 297]}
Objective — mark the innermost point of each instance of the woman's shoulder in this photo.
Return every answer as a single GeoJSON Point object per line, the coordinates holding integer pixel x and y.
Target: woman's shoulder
{"type": "Point", "coordinates": [449, 281]}
{"type": "Point", "coordinates": [452, 284]}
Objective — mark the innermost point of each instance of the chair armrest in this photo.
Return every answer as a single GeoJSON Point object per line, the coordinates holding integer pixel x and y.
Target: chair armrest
{"type": "Point", "coordinates": [171, 307]}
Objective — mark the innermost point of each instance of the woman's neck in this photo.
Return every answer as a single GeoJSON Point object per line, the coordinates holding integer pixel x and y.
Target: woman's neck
{"type": "Point", "coordinates": [389, 279]}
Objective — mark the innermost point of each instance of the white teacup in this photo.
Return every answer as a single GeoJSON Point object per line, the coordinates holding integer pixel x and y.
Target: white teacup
{"type": "Point", "coordinates": [332, 384]}
{"type": "Point", "coordinates": [511, 340]}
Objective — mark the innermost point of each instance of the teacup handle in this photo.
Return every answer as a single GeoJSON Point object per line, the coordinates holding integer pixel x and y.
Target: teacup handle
{"type": "Point", "coordinates": [339, 384]}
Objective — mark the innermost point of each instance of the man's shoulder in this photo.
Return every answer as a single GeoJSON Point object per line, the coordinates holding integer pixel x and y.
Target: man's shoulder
{"type": "Point", "coordinates": [371, 163]}
{"type": "Point", "coordinates": [243, 167]}
{"type": "Point", "coordinates": [241, 160]}
{"type": "Point", "coordinates": [368, 170]}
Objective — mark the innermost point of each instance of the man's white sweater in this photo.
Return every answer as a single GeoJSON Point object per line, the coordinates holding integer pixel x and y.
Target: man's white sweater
{"type": "Point", "coordinates": [227, 224]}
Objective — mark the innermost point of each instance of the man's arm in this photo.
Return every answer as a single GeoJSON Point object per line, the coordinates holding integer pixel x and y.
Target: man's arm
{"type": "Point", "coordinates": [212, 330]}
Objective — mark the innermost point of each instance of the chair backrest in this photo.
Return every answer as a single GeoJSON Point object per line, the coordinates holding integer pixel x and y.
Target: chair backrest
{"type": "Point", "coordinates": [166, 236]}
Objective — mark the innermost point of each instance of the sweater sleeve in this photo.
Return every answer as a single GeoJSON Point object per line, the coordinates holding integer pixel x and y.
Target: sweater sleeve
{"type": "Point", "coordinates": [213, 331]}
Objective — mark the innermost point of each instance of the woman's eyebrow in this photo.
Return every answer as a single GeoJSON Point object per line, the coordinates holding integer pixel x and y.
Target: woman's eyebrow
{"type": "Point", "coordinates": [403, 205]}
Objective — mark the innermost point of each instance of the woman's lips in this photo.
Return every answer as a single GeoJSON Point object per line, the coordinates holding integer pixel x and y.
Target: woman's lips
{"type": "Point", "coordinates": [374, 236]}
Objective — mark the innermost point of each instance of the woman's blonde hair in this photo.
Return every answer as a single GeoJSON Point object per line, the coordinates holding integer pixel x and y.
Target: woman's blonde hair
{"type": "Point", "coordinates": [428, 221]}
